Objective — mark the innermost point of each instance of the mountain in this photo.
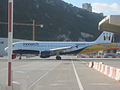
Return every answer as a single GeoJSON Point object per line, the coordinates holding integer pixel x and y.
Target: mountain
{"type": "Point", "coordinates": [62, 21]}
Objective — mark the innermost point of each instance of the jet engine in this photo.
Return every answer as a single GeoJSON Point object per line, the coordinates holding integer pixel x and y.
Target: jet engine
{"type": "Point", "coordinates": [45, 54]}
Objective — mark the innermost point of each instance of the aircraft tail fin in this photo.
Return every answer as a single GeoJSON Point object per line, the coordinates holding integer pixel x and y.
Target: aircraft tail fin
{"type": "Point", "coordinates": [105, 37]}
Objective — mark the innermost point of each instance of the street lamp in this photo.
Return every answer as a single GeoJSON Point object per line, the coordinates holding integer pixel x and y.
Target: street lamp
{"type": "Point", "coordinates": [26, 24]}
{"type": "Point", "coordinates": [34, 25]}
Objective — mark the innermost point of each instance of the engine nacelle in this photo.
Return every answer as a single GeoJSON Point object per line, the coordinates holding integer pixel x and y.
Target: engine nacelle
{"type": "Point", "coordinates": [45, 54]}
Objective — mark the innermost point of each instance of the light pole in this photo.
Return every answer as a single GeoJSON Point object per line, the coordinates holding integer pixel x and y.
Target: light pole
{"type": "Point", "coordinates": [34, 25]}
{"type": "Point", "coordinates": [33, 30]}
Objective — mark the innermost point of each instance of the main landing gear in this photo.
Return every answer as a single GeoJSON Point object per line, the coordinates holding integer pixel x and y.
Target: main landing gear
{"type": "Point", "coordinates": [58, 58]}
{"type": "Point", "coordinates": [20, 57]}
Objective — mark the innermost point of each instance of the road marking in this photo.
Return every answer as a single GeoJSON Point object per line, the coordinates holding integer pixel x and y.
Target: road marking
{"type": "Point", "coordinates": [77, 77]}
{"type": "Point", "coordinates": [34, 83]}
{"type": "Point", "coordinates": [101, 84]}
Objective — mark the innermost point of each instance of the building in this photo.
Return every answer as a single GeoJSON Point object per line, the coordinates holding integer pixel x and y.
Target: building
{"type": "Point", "coordinates": [87, 6]}
{"type": "Point", "coordinates": [110, 23]}
{"type": "Point", "coordinates": [3, 45]}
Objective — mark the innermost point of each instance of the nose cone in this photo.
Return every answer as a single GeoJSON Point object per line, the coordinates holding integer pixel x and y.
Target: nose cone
{"type": "Point", "coordinates": [6, 49]}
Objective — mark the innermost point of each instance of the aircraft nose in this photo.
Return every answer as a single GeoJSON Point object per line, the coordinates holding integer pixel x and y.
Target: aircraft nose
{"type": "Point", "coordinates": [6, 49]}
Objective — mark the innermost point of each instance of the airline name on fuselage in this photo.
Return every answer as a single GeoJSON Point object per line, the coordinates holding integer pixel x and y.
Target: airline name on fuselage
{"type": "Point", "coordinates": [30, 44]}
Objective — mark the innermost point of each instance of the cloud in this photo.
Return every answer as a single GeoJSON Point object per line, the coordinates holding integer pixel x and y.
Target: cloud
{"type": "Point", "coordinates": [103, 7]}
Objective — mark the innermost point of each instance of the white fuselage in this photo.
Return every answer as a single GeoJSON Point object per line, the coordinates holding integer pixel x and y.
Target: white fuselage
{"type": "Point", "coordinates": [45, 46]}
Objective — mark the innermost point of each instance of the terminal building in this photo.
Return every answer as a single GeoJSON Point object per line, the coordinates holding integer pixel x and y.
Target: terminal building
{"type": "Point", "coordinates": [110, 23]}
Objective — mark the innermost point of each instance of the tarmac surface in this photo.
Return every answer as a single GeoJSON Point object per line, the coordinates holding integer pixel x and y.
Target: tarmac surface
{"type": "Point", "coordinates": [67, 74]}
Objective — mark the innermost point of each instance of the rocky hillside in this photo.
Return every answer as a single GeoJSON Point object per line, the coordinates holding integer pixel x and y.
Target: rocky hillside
{"type": "Point", "coordinates": [62, 21]}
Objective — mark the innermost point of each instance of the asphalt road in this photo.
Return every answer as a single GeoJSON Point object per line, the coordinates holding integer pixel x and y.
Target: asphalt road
{"type": "Point", "coordinates": [67, 74]}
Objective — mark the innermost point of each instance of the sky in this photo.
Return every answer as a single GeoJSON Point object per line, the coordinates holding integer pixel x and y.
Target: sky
{"type": "Point", "coordinates": [107, 7]}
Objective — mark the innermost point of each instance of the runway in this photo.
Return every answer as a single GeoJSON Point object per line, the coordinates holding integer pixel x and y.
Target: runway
{"type": "Point", "coordinates": [66, 74]}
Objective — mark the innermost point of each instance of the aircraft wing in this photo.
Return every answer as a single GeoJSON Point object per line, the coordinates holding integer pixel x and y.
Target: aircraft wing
{"type": "Point", "coordinates": [61, 50]}
{"type": "Point", "coordinates": [55, 51]}
{"type": "Point", "coordinates": [97, 47]}
{"type": "Point", "coordinates": [84, 50]}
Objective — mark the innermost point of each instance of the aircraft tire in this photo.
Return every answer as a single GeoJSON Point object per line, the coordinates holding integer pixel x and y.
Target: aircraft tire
{"type": "Point", "coordinates": [58, 58]}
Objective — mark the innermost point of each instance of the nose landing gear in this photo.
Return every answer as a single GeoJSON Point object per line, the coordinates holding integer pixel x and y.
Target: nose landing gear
{"type": "Point", "coordinates": [58, 58]}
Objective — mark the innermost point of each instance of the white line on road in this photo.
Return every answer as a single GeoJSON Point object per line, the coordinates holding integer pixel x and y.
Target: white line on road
{"type": "Point", "coordinates": [34, 83]}
{"type": "Point", "coordinates": [77, 77]}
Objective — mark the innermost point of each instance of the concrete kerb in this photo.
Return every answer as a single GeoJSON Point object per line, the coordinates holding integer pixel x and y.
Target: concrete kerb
{"type": "Point", "coordinates": [118, 75]}
{"type": "Point", "coordinates": [111, 72]}
{"type": "Point", "coordinates": [106, 70]}
{"type": "Point", "coordinates": [91, 64]}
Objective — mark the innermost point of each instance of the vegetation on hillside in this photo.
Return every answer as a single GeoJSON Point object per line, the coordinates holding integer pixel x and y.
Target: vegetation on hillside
{"type": "Point", "coordinates": [62, 21]}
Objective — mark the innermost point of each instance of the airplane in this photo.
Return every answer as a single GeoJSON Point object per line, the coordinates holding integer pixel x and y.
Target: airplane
{"type": "Point", "coordinates": [46, 49]}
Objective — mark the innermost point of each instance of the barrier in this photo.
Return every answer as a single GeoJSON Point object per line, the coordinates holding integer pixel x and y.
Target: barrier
{"type": "Point", "coordinates": [105, 56]}
{"type": "Point", "coordinates": [102, 68]}
{"type": "Point", "coordinates": [118, 75]}
{"type": "Point", "coordinates": [83, 56]}
{"type": "Point", "coordinates": [98, 56]}
{"type": "Point", "coordinates": [111, 72]}
{"type": "Point", "coordinates": [91, 56]}
{"type": "Point", "coordinates": [113, 56]}
{"type": "Point", "coordinates": [91, 64]}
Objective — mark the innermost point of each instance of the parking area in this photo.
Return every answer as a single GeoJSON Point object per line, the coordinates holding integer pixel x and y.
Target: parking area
{"type": "Point", "coordinates": [51, 74]}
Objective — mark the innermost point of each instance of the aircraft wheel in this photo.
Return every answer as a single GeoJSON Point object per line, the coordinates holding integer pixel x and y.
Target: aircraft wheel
{"type": "Point", "coordinates": [20, 57]}
{"type": "Point", "coordinates": [58, 58]}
